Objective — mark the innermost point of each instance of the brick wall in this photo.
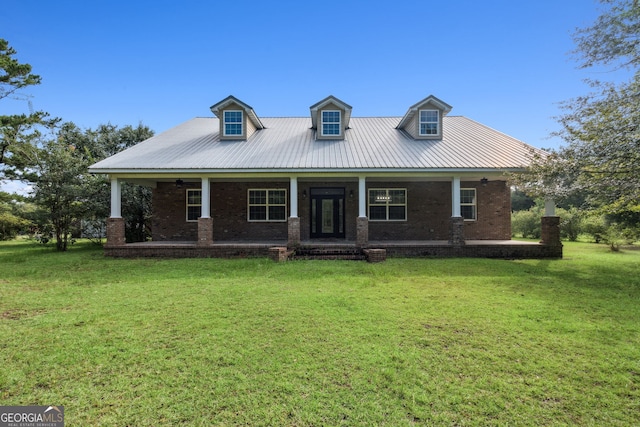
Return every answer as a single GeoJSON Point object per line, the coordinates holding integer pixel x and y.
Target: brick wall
{"type": "Point", "coordinates": [428, 212]}
{"type": "Point", "coordinates": [169, 221]}
{"type": "Point", "coordinates": [493, 212]}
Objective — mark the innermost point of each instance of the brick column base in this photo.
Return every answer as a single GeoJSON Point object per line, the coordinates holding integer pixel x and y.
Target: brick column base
{"type": "Point", "coordinates": [456, 236]}
{"type": "Point", "coordinates": [115, 232]}
{"type": "Point", "coordinates": [293, 227]}
{"type": "Point", "coordinates": [362, 232]}
{"type": "Point", "coordinates": [205, 231]}
{"type": "Point", "coordinates": [550, 231]}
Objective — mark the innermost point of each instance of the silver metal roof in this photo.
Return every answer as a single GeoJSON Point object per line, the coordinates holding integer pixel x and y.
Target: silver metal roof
{"type": "Point", "coordinates": [289, 144]}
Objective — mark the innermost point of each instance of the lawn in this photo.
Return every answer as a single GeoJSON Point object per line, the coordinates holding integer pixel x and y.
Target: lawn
{"type": "Point", "coordinates": [150, 342]}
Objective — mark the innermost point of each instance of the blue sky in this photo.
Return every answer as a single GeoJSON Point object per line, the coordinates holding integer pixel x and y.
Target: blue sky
{"type": "Point", "coordinates": [504, 63]}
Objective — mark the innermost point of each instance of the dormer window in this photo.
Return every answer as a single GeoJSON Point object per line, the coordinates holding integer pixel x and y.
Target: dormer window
{"type": "Point", "coordinates": [424, 119]}
{"type": "Point", "coordinates": [429, 122]}
{"type": "Point", "coordinates": [232, 122]}
{"type": "Point", "coordinates": [330, 122]}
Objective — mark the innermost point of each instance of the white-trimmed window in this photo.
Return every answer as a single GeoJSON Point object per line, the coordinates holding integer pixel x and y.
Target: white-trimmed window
{"type": "Point", "coordinates": [267, 205]}
{"type": "Point", "coordinates": [468, 209]}
{"type": "Point", "coordinates": [194, 204]}
{"type": "Point", "coordinates": [429, 122]}
{"type": "Point", "coordinates": [232, 122]}
{"type": "Point", "coordinates": [387, 204]}
{"type": "Point", "coordinates": [330, 122]}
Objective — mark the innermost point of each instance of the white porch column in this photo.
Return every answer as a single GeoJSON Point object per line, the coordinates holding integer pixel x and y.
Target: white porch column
{"type": "Point", "coordinates": [206, 199]}
{"type": "Point", "coordinates": [293, 197]}
{"type": "Point", "coordinates": [362, 197]}
{"type": "Point", "coordinates": [116, 198]}
{"type": "Point", "coordinates": [549, 207]}
{"type": "Point", "coordinates": [455, 197]}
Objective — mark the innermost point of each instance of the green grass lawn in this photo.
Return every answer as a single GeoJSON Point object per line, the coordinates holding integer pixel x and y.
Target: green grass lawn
{"type": "Point", "coordinates": [322, 343]}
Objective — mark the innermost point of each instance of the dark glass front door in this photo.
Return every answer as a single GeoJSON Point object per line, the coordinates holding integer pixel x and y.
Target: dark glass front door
{"type": "Point", "coordinates": [327, 212]}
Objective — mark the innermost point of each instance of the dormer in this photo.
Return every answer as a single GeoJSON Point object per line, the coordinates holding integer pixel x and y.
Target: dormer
{"type": "Point", "coordinates": [330, 118]}
{"type": "Point", "coordinates": [424, 119]}
{"type": "Point", "coordinates": [238, 121]}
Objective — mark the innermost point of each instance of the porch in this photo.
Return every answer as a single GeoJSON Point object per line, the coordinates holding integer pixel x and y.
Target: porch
{"type": "Point", "coordinates": [506, 249]}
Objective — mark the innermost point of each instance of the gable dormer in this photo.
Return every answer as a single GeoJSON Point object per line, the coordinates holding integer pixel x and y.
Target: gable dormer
{"type": "Point", "coordinates": [238, 121]}
{"type": "Point", "coordinates": [330, 118]}
{"type": "Point", "coordinates": [424, 119]}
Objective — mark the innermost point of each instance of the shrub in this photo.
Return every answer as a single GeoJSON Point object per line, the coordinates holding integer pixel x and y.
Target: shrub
{"type": "Point", "coordinates": [526, 223]}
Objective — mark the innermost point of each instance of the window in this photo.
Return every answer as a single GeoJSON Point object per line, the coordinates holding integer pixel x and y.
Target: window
{"type": "Point", "coordinates": [468, 204]}
{"type": "Point", "coordinates": [429, 122]}
{"type": "Point", "coordinates": [267, 205]}
{"type": "Point", "coordinates": [194, 204]}
{"type": "Point", "coordinates": [232, 122]}
{"type": "Point", "coordinates": [387, 204]}
{"type": "Point", "coordinates": [330, 123]}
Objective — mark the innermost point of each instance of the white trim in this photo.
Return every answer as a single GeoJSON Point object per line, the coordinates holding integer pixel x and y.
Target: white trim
{"type": "Point", "coordinates": [387, 205]}
{"type": "Point", "coordinates": [116, 198]}
{"type": "Point", "coordinates": [474, 204]}
{"type": "Point", "coordinates": [421, 122]}
{"type": "Point", "coordinates": [266, 205]}
{"type": "Point", "coordinates": [224, 123]}
{"type": "Point", "coordinates": [293, 201]}
{"type": "Point", "coordinates": [188, 205]}
{"type": "Point", "coordinates": [362, 197]}
{"type": "Point", "coordinates": [455, 197]}
{"type": "Point", "coordinates": [322, 122]}
{"type": "Point", "coordinates": [205, 210]}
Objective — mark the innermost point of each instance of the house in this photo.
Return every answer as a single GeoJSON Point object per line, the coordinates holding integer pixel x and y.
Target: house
{"type": "Point", "coordinates": [238, 184]}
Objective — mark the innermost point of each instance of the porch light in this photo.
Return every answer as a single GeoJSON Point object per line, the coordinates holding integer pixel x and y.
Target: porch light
{"type": "Point", "coordinates": [351, 194]}
{"type": "Point", "coordinates": [304, 194]}
{"type": "Point", "coordinates": [484, 182]}
{"type": "Point", "coordinates": [179, 183]}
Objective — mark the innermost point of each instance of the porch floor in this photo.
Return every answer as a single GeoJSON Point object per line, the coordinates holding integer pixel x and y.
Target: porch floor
{"type": "Point", "coordinates": [506, 249]}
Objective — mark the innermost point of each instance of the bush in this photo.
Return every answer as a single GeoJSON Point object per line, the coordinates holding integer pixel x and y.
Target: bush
{"type": "Point", "coordinates": [526, 223]}
{"type": "Point", "coordinates": [595, 226]}
{"type": "Point", "coordinates": [570, 223]}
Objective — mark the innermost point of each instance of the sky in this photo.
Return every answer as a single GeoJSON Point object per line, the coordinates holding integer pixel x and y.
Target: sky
{"type": "Point", "coordinates": [504, 63]}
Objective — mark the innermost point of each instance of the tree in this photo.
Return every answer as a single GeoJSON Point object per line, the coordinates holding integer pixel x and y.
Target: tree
{"type": "Point", "coordinates": [15, 139]}
{"type": "Point", "coordinates": [601, 159]}
{"type": "Point", "coordinates": [59, 187]}
{"type": "Point", "coordinates": [104, 141]}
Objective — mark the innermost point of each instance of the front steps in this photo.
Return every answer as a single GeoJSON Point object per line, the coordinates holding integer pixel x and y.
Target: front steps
{"type": "Point", "coordinates": [325, 252]}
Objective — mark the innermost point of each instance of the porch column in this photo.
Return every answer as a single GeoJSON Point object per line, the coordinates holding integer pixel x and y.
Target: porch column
{"type": "Point", "coordinates": [205, 222]}
{"type": "Point", "coordinates": [456, 234]}
{"type": "Point", "coordinates": [550, 225]}
{"type": "Point", "coordinates": [362, 222]}
{"type": "Point", "coordinates": [115, 223]}
{"type": "Point", "coordinates": [293, 223]}
{"type": "Point", "coordinates": [116, 198]}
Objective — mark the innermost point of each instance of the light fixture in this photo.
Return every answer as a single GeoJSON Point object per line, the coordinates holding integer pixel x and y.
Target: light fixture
{"type": "Point", "coordinates": [351, 194]}
{"type": "Point", "coordinates": [304, 194]}
{"type": "Point", "coordinates": [484, 182]}
{"type": "Point", "coordinates": [179, 183]}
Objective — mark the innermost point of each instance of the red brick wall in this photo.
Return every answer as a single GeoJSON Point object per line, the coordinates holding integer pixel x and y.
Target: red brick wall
{"type": "Point", "coordinates": [428, 212]}
{"type": "Point", "coordinates": [493, 212]}
{"type": "Point", "coordinates": [169, 222]}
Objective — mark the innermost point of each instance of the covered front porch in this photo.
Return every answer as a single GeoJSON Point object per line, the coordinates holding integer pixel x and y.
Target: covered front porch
{"type": "Point", "coordinates": [429, 222]}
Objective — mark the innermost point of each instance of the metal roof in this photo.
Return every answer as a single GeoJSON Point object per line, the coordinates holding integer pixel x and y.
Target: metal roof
{"type": "Point", "coordinates": [289, 144]}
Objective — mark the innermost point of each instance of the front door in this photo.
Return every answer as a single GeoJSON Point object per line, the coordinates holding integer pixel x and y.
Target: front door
{"type": "Point", "coordinates": [327, 212]}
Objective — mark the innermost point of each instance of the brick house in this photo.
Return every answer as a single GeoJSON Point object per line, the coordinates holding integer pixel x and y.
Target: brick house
{"type": "Point", "coordinates": [238, 184]}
